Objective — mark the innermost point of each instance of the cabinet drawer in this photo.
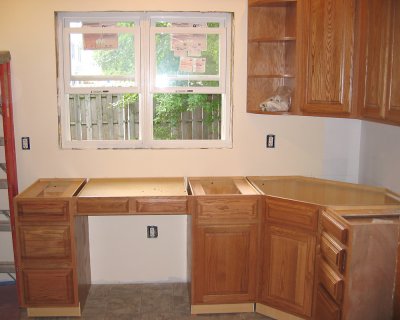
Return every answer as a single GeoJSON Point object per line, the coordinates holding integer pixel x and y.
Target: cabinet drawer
{"type": "Point", "coordinates": [45, 242]}
{"type": "Point", "coordinates": [334, 227]}
{"type": "Point", "coordinates": [326, 308]}
{"type": "Point", "coordinates": [48, 210]}
{"type": "Point", "coordinates": [331, 281]}
{"type": "Point", "coordinates": [292, 213]}
{"type": "Point", "coordinates": [333, 252]}
{"type": "Point", "coordinates": [103, 205]}
{"type": "Point", "coordinates": [162, 205]}
{"type": "Point", "coordinates": [48, 287]}
{"type": "Point", "coordinates": [223, 209]}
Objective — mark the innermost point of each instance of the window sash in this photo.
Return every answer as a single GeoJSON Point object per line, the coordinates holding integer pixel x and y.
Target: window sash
{"type": "Point", "coordinates": [68, 77]}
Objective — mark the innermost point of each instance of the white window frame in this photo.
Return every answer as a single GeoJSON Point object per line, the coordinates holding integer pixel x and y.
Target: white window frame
{"type": "Point", "coordinates": [145, 75]}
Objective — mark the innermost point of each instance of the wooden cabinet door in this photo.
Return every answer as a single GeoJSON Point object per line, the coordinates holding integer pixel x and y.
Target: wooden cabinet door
{"type": "Point", "coordinates": [287, 269]}
{"type": "Point", "coordinates": [327, 39]}
{"type": "Point", "coordinates": [224, 263]}
{"type": "Point", "coordinates": [393, 105]}
{"type": "Point", "coordinates": [374, 36]}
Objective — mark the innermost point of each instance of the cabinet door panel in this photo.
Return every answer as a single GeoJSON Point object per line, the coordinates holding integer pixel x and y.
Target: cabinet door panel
{"type": "Point", "coordinates": [374, 51]}
{"type": "Point", "coordinates": [225, 264]}
{"type": "Point", "coordinates": [48, 288]}
{"type": "Point", "coordinates": [328, 31]}
{"type": "Point", "coordinates": [326, 309]}
{"type": "Point", "coordinates": [393, 112]}
{"type": "Point", "coordinates": [287, 269]}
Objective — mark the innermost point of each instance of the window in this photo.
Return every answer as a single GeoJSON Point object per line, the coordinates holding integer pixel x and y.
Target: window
{"type": "Point", "coordinates": [144, 80]}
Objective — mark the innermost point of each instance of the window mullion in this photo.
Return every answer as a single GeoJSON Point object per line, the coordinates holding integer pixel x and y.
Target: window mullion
{"type": "Point", "coordinates": [147, 104]}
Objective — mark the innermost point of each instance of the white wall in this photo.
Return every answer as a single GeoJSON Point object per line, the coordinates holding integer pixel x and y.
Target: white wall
{"type": "Point", "coordinates": [305, 145]}
{"type": "Point", "coordinates": [380, 155]}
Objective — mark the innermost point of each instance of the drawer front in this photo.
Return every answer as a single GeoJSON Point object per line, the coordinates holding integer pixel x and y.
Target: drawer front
{"type": "Point", "coordinates": [333, 252]}
{"type": "Point", "coordinates": [45, 242]}
{"type": "Point", "coordinates": [102, 205]}
{"type": "Point", "coordinates": [162, 205]}
{"type": "Point", "coordinates": [44, 288]}
{"type": "Point", "coordinates": [331, 281]}
{"type": "Point", "coordinates": [326, 308]}
{"type": "Point", "coordinates": [227, 209]}
{"type": "Point", "coordinates": [292, 213]}
{"type": "Point", "coordinates": [334, 227]}
{"type": "Point", "coordinates": [48, 210]}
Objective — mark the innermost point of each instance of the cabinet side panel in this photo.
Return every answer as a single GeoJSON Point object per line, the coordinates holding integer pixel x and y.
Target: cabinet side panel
{"type": "Point", "coordinates": [82, 257]}
{"type": "Point", "coordinates": [371, 273]}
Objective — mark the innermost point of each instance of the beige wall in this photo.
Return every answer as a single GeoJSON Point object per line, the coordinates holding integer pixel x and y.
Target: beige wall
{"type": "Point", "coordinates": [305, 145]}
{"type": "Point", "coordinates": [380, 155]}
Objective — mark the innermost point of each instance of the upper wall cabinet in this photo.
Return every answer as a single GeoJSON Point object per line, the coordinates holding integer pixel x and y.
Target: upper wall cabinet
{"type": "Point", "coordinates": [393, 106]}
{"type": "Point", "coordinates": [374, 54]}
{"type": "Point", "coordinates": [272, 32]}
{"type": "Point", "coordinates": [379, 97]}
{"type": "Point", "coordinates": [325, 79]}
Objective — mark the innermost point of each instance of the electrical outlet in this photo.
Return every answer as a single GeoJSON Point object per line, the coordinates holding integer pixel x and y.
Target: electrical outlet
{"type": "Point", "coordinates": [270, 141]}
{"type": "Point", "coordinates": [26, 143]}
{"type": "Point", "coordinates": [152, 232]}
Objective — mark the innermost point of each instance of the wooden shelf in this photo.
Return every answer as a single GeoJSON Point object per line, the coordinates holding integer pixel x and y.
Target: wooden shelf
{"type": "Point", "coordinates": [272, 51]}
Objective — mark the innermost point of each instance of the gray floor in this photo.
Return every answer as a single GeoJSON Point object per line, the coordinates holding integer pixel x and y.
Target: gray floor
{"type": "Point", "coordinates": [145, 302]}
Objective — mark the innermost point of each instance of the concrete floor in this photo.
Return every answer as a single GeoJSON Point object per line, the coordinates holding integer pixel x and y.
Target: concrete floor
{"type": "Point", "coordinates": [135, 302]}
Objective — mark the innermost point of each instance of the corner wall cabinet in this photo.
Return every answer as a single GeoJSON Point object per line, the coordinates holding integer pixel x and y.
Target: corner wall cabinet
{"type": "Point", "coordinates": [253, 242]}
{"type": "Point", "coordinates": [271, 57]}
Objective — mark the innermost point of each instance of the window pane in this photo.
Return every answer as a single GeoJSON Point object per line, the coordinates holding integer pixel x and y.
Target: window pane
{"type": "Point", "coordinates": [184, 57]}
{"type": "Point", "coordinates": [99, 59]}
{"type": "Point", "coordinates": [104, 116]}
{"type": "Point", "coordinates": [187, 116]}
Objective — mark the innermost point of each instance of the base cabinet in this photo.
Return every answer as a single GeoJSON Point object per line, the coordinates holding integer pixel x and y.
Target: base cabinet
{"type": "Point", "coordinates": [357, 265]}
{"type": "Point", "coordinates": [225, 239]}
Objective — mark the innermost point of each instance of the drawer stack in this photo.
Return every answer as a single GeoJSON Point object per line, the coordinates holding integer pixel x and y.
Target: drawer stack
{"type": "Point", "coordinates": [356, 266]}
{"type": "Point", "coordinates": [45, 248]}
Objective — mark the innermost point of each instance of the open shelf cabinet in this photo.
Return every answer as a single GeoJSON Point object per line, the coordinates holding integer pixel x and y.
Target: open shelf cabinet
{"type": "Point", "coordinates": [272, 29]}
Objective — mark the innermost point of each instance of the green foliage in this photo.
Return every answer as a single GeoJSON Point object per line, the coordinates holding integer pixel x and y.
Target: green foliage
{"type": "Point", "coordinates": [170, 107]}
{"type": "Point", "coordinates": [120, 61]}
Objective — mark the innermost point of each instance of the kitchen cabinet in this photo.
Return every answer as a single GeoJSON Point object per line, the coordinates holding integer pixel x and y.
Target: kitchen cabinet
{"type": "Point", "coordinates": [288, 256]}
{"type": "Point", "coordinates": [374, 54]}
{"type": "Point", "coordinates": [292, 283]}
{"type": "Point", "coordinates": [325, 81]}
{"type": "Point", "coordinates": [225, 234]}
{"type": "Point", "coordinates": [379, 72]}
{"type": "Point", "coordinates": [357, 264]}
{"type": "Point", "coordinates": [48, 276]}
{"type": "Point", "coordinates": [272, 42]}
{"type": "Point", "coordinates": [393, 106]}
